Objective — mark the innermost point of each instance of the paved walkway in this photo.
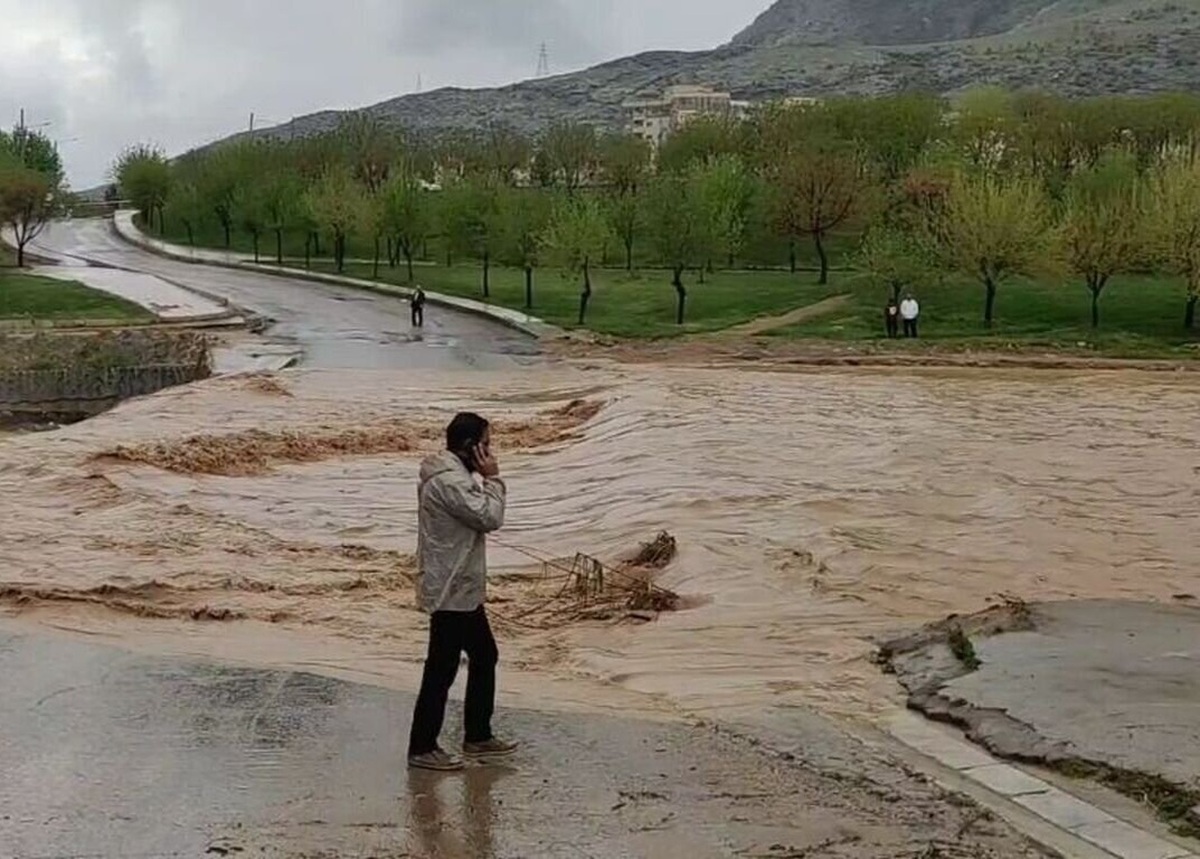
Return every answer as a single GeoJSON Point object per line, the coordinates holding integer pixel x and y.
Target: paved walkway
{"type": "Point", "coordinates": [108, 754]}
{"type": "Point", "coordinates": [123, 222]}
{"type": "Point", "coordinates": [168, 302]}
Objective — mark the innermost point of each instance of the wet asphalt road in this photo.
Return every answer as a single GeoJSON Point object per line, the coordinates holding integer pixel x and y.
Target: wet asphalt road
{"type": "Point", "coordinates": [108, 754]}
{"type": "Point", "coordinates": [334, 327]}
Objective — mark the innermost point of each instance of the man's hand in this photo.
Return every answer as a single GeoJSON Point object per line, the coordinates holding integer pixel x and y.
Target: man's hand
{"type": "Point", "coordinates": [485, 462]}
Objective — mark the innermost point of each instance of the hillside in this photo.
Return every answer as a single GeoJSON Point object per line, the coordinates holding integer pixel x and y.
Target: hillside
{"type": "Point", "coordinates": [828, 47]}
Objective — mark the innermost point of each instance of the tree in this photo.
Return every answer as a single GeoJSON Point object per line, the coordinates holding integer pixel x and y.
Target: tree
{"type": "Point", "coordinates": [29, 199]}
{"type": "Point", "coordinates": [188, 205]}
{"type": "Point", "coordinates": [722, 188]}
{"type": "Point", "coordinates": [471, 220]}
{"type": "Point", "coordinates": [894, 259]}
{"type": "Point", "coordinates": [220, 177]}
{"type": "Point", "coordinates": [700, 141]}
{"type": "Point", "coordinates": [1175, 216]}
{"type": "Point", "coordinates": [280, 197]}
{"type": "Point", "coordinates": [676, 218]}
{"type": "Point", "coordinates": [1104, 225]}
{"type": "Point", "coordinates": [817, 191]}
{"type": "Point", "coordinates": [993, 229]}
{"type": "Point", "coordinates": [568, 154]}
{"type": "Point", "coordinates": [406, 214]}
{"type": "Point", "coordinates": [336, 203]}
{"type": "Point", "coordinates": [32, 190]}
{"type": "Point", "coordinates": [626, 160]}
{"type": "Point", "coordinates": [144, 176]}
{"type": "Point", "coordinates": [575, 239]}
{"type": "Point", "coordinates": [524, 217]}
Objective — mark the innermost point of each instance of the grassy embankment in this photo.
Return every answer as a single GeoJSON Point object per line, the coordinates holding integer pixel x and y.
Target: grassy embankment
{"type": "Point", "coordinates": [24, 296]}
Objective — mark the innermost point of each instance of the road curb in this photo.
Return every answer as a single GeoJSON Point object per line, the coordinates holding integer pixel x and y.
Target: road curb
{"type": "Point", "coordinates": [1057, 807]}
{"type": "Point", "coordinates": [126, 229]}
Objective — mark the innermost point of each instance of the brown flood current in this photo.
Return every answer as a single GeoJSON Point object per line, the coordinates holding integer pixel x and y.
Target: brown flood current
{"type": "Point", "coordinates": [813, 512]}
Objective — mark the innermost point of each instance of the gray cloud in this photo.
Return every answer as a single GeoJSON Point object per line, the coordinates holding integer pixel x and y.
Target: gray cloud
{"type": "Point", "coordinates": [108, 73]}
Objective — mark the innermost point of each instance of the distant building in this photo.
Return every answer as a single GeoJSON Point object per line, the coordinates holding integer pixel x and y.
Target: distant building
{"type": "Point", "coordinates": [656, 119]}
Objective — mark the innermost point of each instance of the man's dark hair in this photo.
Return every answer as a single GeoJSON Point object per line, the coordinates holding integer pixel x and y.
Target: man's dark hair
{"type": "Point", "coordinates": [465, 431]}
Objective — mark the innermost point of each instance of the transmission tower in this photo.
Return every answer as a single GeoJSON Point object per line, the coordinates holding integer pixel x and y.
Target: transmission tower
{"type": "Point", "coordinates": [543, 68]}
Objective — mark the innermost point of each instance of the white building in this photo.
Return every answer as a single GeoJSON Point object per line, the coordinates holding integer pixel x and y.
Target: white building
{"type": "Point", "coordinates": [656, 119]}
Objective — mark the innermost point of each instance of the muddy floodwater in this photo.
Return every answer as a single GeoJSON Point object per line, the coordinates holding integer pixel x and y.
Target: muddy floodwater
{"type": "Point", "coordinates": [813, 512]}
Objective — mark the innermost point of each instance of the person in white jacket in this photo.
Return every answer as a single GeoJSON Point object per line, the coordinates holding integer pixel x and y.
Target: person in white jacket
{"type": "Point", "coordinates": [455, 512]}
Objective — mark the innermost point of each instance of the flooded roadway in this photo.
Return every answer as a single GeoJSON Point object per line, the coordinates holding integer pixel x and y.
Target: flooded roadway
{"type": "Point", "coordinates": [333, 327]}
{"type": "Point", "coordinates": [814, 511]}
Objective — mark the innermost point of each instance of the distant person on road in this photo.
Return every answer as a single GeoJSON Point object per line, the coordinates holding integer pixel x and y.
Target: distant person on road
{"type": "Point", "coordinates": [891, 318]}
{"type": "Point", "coordinates": [418, 308]}
{"type": "Point", "coordinates": [910, 312]}
{"type": "Point", "coordinates": [461, 499]}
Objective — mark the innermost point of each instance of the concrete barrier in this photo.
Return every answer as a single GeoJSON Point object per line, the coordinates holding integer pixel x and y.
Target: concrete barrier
{"type": "Point", "coordinates": [86, 391]}
{"type": "Point", "coordinates": [126, 229]}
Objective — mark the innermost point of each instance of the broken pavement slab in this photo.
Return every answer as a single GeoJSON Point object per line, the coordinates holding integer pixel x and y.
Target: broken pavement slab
{"type": "Point", "coordinates": [1107, 690]}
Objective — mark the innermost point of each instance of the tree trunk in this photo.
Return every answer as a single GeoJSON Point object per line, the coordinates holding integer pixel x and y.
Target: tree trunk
{"type": "Point", "coordinates": [1095, 306]}
{"type": "Point", "coordinates": [254, 236]}
{"type": "Point", "coordinates": [700, 274]}
{"type": "Point", "coordinates": [792, 254]}
{"type": "Point", "coordinates": [279, 247]}
{"type": "Point", "coordinates": [1189, 318]}
{"type": "Point", "coordinates": [316, 242]}
{"type": "Point", "coordinates": [529, 287]}
{"type": "Point", "coordinates": [228, 238]}
{"type": "Point", "coordinates": [191, 237]}
{"type": "Point", "coordinates": [408, 258]}
{"type": "Point", "coordinates": [586, 294]}
{"type": "Point", "coordinates": [391, 253]}
{"type": "Point", "coordinates": [162, 221]}
{"type": "Point", "coordinates": [897, 288]}
{"type": "Point", "coordinates": [375, 268]}
{"type": "Point", "coordinates": [629, 254]}
{"type": "Point", "coordinates": [20, 254]}
{"type": "Point", "coordinates": [487, 274]}
{"type": "Point", "coordinates": [308, 252]}
{"type": "Point", "coordinates": [681, 294]}
{"type": "Point", "coordinates": [819, 240]}
{"type": "Point", "coordinates": [989, 310]}
{"type": "Point", "coordinates": [339, 253]}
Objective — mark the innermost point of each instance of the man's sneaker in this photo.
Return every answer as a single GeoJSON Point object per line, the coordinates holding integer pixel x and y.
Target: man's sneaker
{"type": "Point", "coordinates": [492, 748]}
{"type": "Point", "coordinates": [438, 761]}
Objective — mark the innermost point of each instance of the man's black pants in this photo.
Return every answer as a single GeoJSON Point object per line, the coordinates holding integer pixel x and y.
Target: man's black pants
{"type": "Point", "coordinates": [452, 633]}
{"type": "Point", "coordinates": [418, 316]}
{"type": "Point", "coordinates": [910, 328]}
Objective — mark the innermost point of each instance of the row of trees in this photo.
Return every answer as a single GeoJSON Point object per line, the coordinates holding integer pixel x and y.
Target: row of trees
{"type": "Point", "coordinates": [995, 186]}
{"type": "Point", "coordinates": [32, 189]}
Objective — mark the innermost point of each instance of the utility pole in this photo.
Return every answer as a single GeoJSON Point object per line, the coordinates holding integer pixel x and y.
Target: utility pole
{"type": "Point", "coordinates": [543, 67]}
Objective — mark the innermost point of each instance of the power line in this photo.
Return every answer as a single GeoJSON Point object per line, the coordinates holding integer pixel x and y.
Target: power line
{"type": "Point", "coordinates": [543, 67]}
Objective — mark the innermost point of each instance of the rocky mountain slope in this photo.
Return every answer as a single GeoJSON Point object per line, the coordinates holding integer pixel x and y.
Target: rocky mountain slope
{"type": "Point", "coordinates": [825, 47]}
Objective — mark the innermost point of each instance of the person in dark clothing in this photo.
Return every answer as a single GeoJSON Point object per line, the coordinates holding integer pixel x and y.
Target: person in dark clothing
{"type": "Point", "coordinates": [418, 308]}
{"type": "Point", "coordinates": [891, 318]}
{"type": "Point", "coordinates": [454, 515]}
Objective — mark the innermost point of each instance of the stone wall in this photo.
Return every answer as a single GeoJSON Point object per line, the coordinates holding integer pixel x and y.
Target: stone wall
{"type": "Point", "coordinates": [74, 375]}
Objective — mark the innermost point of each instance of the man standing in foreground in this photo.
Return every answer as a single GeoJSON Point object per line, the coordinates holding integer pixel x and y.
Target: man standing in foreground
{"type": "Point", "coordinates": [455, 514]}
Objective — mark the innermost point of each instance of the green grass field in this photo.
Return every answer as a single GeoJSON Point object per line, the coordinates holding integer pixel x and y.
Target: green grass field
{"type": "Point", "coordinates": [640, 306]}
{"type": "Point", "coordinates": [1140, 316]}
{"type": "Point", "coordinates": [26, 296]}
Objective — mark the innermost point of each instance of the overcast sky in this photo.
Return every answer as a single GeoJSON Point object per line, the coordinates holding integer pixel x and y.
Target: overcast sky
{"type": "Point", "coordinates": [101, 74]}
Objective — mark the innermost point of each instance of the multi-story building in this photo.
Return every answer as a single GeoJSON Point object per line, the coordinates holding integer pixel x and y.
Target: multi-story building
{"type": "Point", "coordinates": [655, 119]}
